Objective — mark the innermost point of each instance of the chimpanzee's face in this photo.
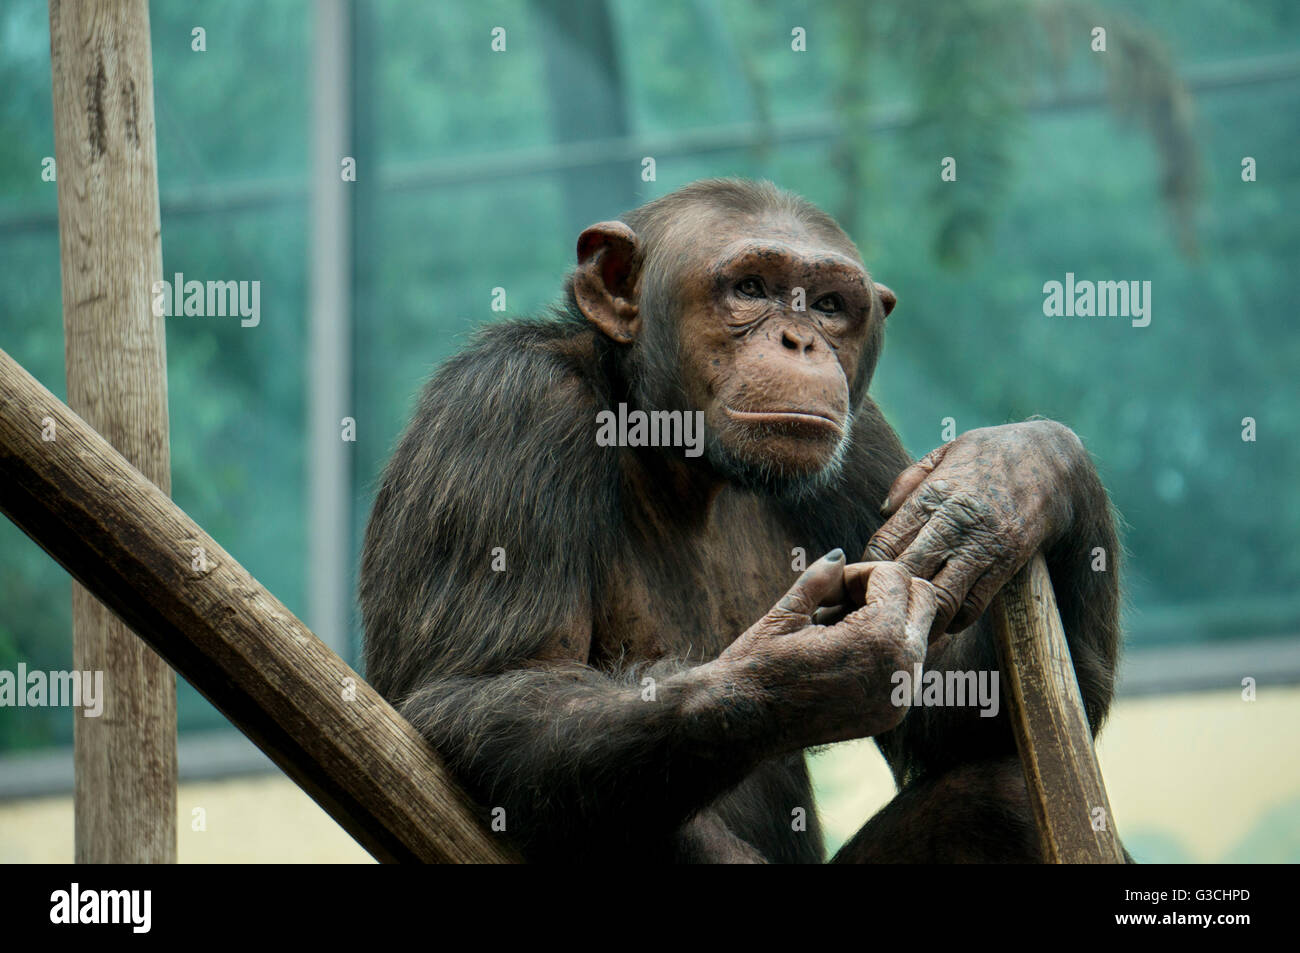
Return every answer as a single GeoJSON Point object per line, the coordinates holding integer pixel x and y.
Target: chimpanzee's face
{"type": "Point", "coordinates": [771, 326]}
{"type": "Point", "coordinates": [762, 322]}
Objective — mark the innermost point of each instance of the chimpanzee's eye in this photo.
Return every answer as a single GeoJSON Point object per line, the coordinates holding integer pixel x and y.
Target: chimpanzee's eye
{"type": "Point", "coordinates": [829, 304]}
{"type": "Point", "coordinates": [752, 287]}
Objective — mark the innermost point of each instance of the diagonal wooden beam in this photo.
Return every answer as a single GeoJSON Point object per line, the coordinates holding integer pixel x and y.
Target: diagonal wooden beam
{"type": "Point", "coordinates": [123, 539]}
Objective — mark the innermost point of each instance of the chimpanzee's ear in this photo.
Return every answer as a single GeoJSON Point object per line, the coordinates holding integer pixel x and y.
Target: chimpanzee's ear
{"type": "Point", "coordinates": [887, 297]}
{"type": "Point", "coordinates": [607, 281]}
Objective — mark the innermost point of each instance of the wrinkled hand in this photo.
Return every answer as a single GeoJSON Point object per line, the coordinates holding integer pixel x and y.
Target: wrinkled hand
{"type": "Point", "coordinates": [827, 683]}
{"type": "Point", "coordinates": [969, 514]}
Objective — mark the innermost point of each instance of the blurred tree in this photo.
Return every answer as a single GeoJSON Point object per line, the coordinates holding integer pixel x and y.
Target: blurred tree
{"type": "Point", "coordinates": [972, 68]}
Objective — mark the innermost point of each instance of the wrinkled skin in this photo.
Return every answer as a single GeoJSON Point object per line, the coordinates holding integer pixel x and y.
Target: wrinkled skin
{"type": "Point", "coordinates": [832, 677]}
{"type": "Point", "coordinates": [770, 367]}
{"type": "Point", "coordinates": [970, 513]}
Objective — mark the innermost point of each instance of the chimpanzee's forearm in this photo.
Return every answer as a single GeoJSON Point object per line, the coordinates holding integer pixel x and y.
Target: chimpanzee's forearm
{"type": "Point", "coordinates": [585, 766]}
{"type": "Point", "coordinates": [1084, 566]}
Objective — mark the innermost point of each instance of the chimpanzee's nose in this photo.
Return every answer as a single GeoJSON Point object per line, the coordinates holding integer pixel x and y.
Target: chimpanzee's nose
{"type": "Point", "coordinates": [797, 339]}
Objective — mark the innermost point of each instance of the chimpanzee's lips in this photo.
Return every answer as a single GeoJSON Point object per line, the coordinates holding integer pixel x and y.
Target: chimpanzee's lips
{"type": "Point", "coordinates": [788, 418]}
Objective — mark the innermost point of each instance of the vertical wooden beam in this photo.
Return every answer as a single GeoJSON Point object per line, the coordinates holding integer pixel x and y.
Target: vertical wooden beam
{"type": "Point", "coordinates": [1075, 825]}
{"type": "Point", "coordinates": [111, 254]}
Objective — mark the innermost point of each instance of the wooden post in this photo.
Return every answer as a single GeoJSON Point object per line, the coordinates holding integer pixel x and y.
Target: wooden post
{"type": "Point", "coordinates": [1046, 710]}
{"type": "Point", "coordinates": [111, 254]}
{"type": "Point", "coordinates": [133, 548]}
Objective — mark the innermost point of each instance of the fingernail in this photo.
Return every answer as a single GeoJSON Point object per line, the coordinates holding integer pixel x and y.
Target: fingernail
{"type": "Point", "coordinates": [835, 555]}
{"type": "Point", "coordinates": [884, 507]}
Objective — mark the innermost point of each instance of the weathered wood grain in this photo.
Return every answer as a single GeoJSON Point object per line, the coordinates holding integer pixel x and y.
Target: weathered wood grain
{"type": "Point", "coordinates": [110, 253]}
{"type": "Point", "coordinates": [1046, 710]}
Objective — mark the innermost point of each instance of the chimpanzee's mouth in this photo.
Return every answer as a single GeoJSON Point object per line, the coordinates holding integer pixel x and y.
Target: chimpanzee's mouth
{"type": "Point", "coordinates": [802, 419]}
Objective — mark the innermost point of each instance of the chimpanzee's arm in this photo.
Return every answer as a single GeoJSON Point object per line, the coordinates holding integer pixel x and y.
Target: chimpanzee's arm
{"type": "Point", "coordinates": [582, 764]}
{"type": "Point", "coordinates": [487, 542]}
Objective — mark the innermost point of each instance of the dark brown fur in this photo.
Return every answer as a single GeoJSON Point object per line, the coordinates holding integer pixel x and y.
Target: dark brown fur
{"type": "Point", "coordinates": [621, 565]}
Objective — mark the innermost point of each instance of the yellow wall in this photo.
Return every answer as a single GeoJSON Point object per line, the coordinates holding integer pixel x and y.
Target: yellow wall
{"type": "Point", "coordinates": [1204, 777]}
{"type": "Point", "coordinates": [1200, 777]}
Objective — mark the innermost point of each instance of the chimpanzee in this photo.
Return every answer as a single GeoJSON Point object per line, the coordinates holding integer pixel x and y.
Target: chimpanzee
{"type": "Point", "coordinates": [611, 645]}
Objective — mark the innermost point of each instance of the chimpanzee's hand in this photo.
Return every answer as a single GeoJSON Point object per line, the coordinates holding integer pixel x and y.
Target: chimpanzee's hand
{"type": "Point", "coordinates": [968, 515]}
{"type": "Point", "coordinates": [815, 684]}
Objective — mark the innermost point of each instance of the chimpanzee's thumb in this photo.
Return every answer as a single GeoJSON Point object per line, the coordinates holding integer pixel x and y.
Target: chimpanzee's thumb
{"type": "Point", "coordinates": [822, 584]}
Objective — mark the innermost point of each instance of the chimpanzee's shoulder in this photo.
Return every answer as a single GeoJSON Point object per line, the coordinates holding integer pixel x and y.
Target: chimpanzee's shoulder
{"type": "Point", "coordinates": [545, 365]}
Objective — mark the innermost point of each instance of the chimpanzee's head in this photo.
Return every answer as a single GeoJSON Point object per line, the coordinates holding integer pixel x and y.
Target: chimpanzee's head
{"type": "Point", "coordinates": [747, 303]}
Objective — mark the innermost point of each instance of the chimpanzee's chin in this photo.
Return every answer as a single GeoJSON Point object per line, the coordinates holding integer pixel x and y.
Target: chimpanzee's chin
{"type": "Point", "coordinates": [769, 477]}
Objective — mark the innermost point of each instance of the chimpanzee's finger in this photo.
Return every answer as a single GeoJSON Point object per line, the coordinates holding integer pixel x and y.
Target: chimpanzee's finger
{"type": "Point", "coordinates": [922, 605]}
{"type": "Point", "coordinates": [892, 539]}
{"type": "Point", "coordinates": [937, 541]}
{"type": "Point", "coordinates": [907, 481]}
{"type": "Point", "coordinates": [829, 615]}
{"type": "Point", "coordinates": [884, 604]}
{"type": "Point", "coordinates": [961, 526]}
{"type": "Point", "coordinates": [952, 583]}
{"type": "Point", "coordinates": [981, 594]}
{"type": "Point", "coordinates": [821, 584]}
{"type": "Point", "coordinates": [855, 581]}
